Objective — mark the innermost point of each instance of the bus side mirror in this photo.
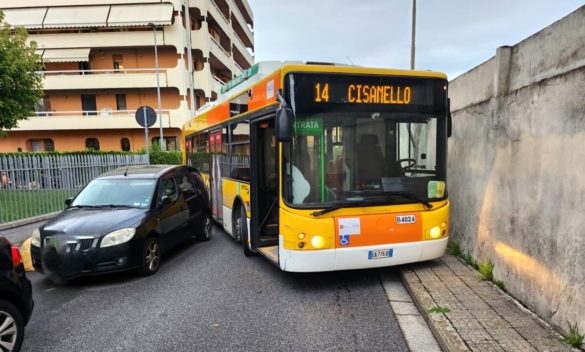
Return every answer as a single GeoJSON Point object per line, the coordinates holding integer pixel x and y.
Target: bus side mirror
{"type": "Point", "coordinates": [449, 119]}
{"type": "Point", "coordinates": [284, 124]}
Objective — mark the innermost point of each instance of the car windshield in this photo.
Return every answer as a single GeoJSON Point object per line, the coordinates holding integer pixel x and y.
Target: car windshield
{"type": "Point", "coordinates": [343, 157]}
{"type": "Point", "coordinates": [121, 192]}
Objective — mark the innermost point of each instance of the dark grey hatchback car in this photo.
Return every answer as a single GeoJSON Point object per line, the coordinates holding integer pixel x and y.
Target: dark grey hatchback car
{"type": "Point", "coordinates": [124, 220]}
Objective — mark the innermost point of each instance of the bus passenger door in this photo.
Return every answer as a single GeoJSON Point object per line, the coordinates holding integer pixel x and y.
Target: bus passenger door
{"type": "Point", "coordinates": [215, 179]}
{"type": "Point", "coordinates": [264, 149]}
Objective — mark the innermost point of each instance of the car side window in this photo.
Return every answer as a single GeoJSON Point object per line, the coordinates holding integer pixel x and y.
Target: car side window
{"type": "Point", "coordinates": [186, 184]}
{"type": "Point", "coordinates": [167, 188]}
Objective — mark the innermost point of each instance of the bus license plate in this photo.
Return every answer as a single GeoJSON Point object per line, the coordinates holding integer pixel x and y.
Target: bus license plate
{"type": "Point", "coordinates": [380, 253]}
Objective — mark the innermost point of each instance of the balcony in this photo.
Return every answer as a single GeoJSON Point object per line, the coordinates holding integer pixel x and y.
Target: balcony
{"type": "Point", "coordinates": [241, 27]}
{"type": "Point", "coordinates": [245, 9]}
{"type": "Point", "coordinates": [218, 16]}
{"type": "Point", "coordinates": [244, 52]}
{"type": "Point", "coordinates": [110, 79]}
{"type": "Point", "coordinates": [99, 40]}
{"type": "Point", "coordinates": [95, 120]}
{"type": "Point", "coordinates": [219, 52]}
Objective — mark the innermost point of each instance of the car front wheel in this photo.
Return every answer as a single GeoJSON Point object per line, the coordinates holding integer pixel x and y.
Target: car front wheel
{"type": "Point", "coordinates": [11, 327]}
{"type": "Point", "coordinates": [206, 229]}
{"type": "Point", "coordinates": [150, 257]}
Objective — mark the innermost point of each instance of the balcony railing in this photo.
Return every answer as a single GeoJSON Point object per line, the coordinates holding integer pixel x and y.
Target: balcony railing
{"type": "Point", "coordinates": [93, 113]}
{"type": "Point", "coordinates": [238, 67]}
{"type": "Point", "coordinates": [124, 71]}
{"type": "Point", "coordinates": [243, 49]}
{"type": "Point", "coordinates": [220, 12]}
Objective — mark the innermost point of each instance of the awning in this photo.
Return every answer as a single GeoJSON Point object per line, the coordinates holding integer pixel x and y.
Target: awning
{"type": "Point", "coordinates": [140, 15]}
{"type": "Point", "coordinates": [76, 17]}
{"type": "Point", "coordinates": [66, 55]}
{"type": "Point", "coordinates": [30, 18]}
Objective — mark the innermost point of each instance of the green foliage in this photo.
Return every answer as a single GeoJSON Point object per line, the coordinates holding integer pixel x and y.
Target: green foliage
{"type": "Point", "coordinates": [486, 271]}
{"type": "Point", "coordinates": [20, 87]}
{"type": "Point", "coordinates": [469, 260]}
{"type": "Point", "coordinates": [168, 157]}
{"type": "Point", "coordinates": [500, 284]}
{"type": "Point", "coordinates": [454, 249]}
{"type": "Point", "coordinates": [574, 338]}
{"type": "Point", "coordinates": [439, 309]}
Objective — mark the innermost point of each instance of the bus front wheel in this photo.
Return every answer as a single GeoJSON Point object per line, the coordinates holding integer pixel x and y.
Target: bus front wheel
{"type": "Point", "coordinates": [242, 231]}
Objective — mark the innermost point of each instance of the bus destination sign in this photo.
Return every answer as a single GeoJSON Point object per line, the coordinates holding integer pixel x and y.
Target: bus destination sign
{"type": "Point", "coordinates": [325, 91]}
{"type": "Point", "coordinates": [365, 94]}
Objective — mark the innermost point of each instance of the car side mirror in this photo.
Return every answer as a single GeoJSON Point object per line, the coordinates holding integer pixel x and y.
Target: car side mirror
{"type": "Point", "coordinates": [68, 201]}
{"type": "Point", "coordinates": [284, 124]}
{"type": "Point", "coordinates": [165, 201]}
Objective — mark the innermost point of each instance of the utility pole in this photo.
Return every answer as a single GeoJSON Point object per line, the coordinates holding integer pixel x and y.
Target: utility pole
{"type": "Point", "coordinates": [413, 39]}
{"type": "Point", "coordinates": [161, 139]}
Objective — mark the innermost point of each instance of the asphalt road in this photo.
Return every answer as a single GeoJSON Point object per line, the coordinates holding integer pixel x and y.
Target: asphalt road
{"type": "Point", "coordinates": [209, 297]}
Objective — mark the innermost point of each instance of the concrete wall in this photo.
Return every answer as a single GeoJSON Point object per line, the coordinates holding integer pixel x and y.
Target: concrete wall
{"type": "Point", "coordinates": [517, 168]}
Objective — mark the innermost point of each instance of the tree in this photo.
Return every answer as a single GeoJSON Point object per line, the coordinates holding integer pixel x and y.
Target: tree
{"type": "Point", "coordinates": [21, 88]}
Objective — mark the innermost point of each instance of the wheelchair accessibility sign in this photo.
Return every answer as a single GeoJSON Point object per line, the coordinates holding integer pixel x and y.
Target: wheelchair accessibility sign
{"type": "Point", "coordinates": [344, 240]}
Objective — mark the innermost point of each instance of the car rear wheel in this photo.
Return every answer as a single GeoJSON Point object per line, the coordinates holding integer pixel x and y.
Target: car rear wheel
{"type": "Point", "coordinates": [206, 229]}
{"type": "Point", "coordinates": [150, 257]}
{"type": "Point", "coordinates": [11, 327]}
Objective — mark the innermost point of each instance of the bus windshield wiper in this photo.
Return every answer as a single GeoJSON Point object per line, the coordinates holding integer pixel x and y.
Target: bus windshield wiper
{"type": "Point", "coordinates": [332, 208]}
{"type": "Point", "coordinates": [366, 203]}
{"type": "Point", "coordinates": [412, 196]}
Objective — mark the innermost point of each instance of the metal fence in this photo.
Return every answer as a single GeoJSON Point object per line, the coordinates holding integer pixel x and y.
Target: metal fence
{"type": "Point", "coordinates": [33, 185]}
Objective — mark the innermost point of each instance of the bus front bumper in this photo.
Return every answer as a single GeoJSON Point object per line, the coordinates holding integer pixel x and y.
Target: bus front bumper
{"type": "Point", "coordinates": [357, 257]}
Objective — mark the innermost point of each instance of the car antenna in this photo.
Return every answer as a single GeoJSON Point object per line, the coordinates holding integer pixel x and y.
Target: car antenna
{"type": "Point", "coordinates": [126, 171]}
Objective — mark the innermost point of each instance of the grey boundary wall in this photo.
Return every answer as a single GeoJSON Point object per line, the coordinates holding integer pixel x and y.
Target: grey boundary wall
{"type": "Point", "coordinates": [517, 168]}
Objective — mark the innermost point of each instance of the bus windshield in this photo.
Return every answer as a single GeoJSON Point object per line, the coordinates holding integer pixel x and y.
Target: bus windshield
{"type": "Point", "coordinates": [353, 157]}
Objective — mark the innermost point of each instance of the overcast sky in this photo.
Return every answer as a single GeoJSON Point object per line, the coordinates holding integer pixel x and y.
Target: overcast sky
{"type": "Point", "coordinates": [453, 36]}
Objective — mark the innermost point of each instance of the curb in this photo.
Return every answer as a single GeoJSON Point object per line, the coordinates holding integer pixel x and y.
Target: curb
{"type": "Point", "coordinates": [28, 221]}
{"type": "Point", "coordinates": [443, 343]}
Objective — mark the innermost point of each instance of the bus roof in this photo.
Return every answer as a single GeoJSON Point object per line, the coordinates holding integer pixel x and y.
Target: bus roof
{"type": "Point", "coordinates": [262, 70]}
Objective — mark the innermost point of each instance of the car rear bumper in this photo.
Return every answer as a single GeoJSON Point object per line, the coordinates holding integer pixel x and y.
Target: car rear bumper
{"type": "Point", "coordinates": [357, 257]}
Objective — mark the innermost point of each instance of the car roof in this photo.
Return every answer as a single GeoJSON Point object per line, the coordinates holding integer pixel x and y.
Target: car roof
{"type": "Point", "coordinates": [138, 171]}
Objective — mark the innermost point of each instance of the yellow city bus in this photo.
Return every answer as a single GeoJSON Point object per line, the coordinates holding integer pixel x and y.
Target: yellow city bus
{"type": "Point", "coordinates": [322, 167]}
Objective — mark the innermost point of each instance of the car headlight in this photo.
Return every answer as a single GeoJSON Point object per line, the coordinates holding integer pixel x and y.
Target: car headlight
{"type": "Point", "coordinates": [117, 237]}
{"type": "Point", "coordinates": [35, 240]}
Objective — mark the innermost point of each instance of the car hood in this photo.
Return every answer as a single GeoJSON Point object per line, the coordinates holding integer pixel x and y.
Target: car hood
{"type": "Point", "coordinates": [92, 222]}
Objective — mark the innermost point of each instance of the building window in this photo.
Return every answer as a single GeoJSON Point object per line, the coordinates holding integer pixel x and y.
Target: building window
{"type": "Point", "coordinates": [84, 68]}
{"type": "Point", "coordinates": [92, 144]}
{"type": "Point", "coordinates": [121, 102]}
{"type": "Point", "coordinates": [170, 142]}
{"type": "Point", "coordinates": [36, 145]}
{"type": "Point", "coordinates": [118, 63]}
{"type": "Point", "coordinates": [49, 145]}
{"type": "Point", "coordinates": [125, 144]}
{"type": "Point", "coordinates": [88, 104]}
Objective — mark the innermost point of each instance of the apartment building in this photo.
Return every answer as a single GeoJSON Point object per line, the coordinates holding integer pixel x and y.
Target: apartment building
{"type": "Point", "coordinates": [99, 67]}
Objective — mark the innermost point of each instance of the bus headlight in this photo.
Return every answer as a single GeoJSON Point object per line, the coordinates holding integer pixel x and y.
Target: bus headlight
{"type": "Point", "coordinates": [435, 232]}
{"type": "Point", "coordinates": [318, 242]}
{"type": "Point", "coordinates": [35, 240]}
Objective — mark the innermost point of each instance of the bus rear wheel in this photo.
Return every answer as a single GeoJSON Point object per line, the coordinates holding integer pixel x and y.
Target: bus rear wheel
{"type": "Point", "coordinates": [241, 228]}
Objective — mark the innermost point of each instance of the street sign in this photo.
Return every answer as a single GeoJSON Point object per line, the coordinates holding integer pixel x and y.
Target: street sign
{"type": "Point", "coordinates": [150, 116]}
